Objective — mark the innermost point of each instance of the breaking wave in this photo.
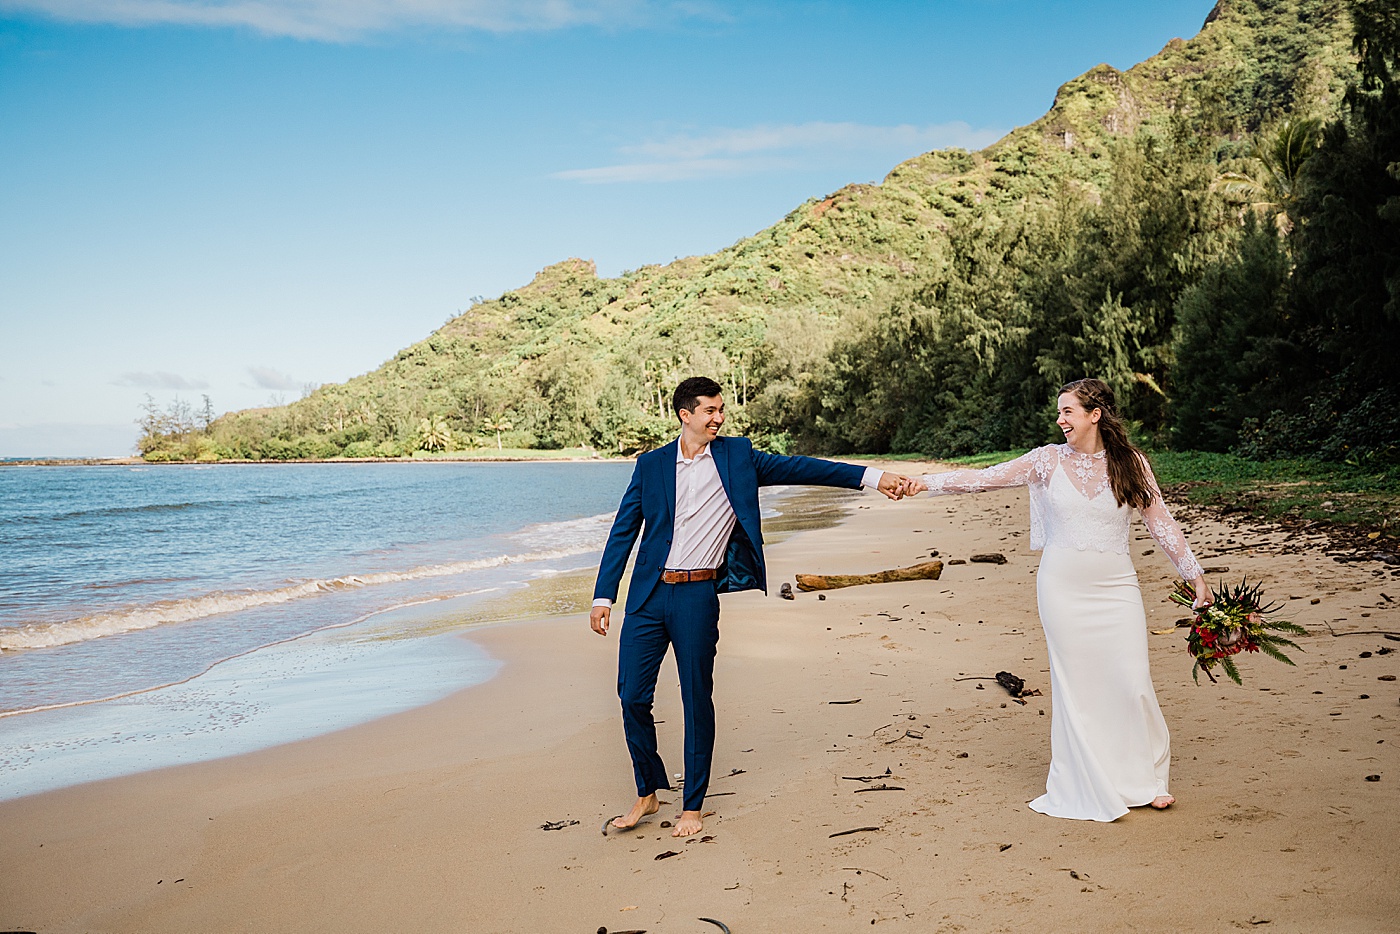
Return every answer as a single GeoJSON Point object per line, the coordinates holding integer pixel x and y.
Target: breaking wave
{"type": "Point", "coordinates": [546, 542]}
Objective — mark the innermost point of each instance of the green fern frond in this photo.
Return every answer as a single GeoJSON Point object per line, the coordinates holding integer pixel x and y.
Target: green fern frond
{"type": "Point", "coordinates": [1274, 653]}
{"type": "Point", "coordinates": [1277, 641]}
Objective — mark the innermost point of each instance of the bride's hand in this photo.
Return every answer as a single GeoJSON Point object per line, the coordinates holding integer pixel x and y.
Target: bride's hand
{"type": "Point", "coordinates": [913, 485]}
{"type": "Point", "coordinates": [1203, 595]}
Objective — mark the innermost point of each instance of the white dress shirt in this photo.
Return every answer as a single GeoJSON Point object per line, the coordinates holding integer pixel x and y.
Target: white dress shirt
{"type": "Point", "coordinates": [704, 518]}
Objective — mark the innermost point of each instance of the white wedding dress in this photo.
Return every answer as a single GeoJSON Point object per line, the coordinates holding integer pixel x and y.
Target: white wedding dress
{"type": "Point", "coordinates": [1109, 748]}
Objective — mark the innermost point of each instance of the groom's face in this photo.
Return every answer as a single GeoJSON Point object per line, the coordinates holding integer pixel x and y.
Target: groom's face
{"type": "Point", "coordinates": [704, 423]}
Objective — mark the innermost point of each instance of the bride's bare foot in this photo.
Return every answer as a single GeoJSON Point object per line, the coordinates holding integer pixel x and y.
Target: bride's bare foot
{"type": "Point", "coordinates": [688, 824]}
{"type": "Point", "coordinates": [1162, 802]}
{"type": "Point", "coordinates": [643, 807]}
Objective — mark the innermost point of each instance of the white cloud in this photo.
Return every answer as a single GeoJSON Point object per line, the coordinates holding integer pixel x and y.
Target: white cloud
{"type": "Point", "coordinates": [850, 136]}
{"type": "Point", "coordinates": [758, 149]}
{"type": "Point", "coordinates": [265, 377]}
{"type": "Point", "coordinates": [673, 171]}
{"type": "Point", "coordinates": [345, 20]}
{"type": "Point", "coordinates": [159, 380]}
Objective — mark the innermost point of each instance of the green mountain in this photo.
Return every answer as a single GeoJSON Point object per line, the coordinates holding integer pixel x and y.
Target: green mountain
{"type": "Point", "coordinates": [973, 248]}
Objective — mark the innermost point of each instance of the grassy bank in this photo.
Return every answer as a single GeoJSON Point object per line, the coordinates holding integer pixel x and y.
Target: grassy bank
{"type": "Point", "coordinates": [1343, 494]}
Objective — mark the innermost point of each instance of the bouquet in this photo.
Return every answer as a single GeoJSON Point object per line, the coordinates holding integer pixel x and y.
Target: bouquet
{"type": "Point", "coordinates": [1238, 621]}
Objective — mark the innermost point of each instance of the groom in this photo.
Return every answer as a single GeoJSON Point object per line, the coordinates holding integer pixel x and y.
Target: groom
{"type": "Point", "coordinates": [695, 503]}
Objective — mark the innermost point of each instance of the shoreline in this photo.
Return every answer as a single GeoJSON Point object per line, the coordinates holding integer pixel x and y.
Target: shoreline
{"type": "Point", "coordinates": [430, 820]}
{"type": "Point", "coordinates": [59, 744]}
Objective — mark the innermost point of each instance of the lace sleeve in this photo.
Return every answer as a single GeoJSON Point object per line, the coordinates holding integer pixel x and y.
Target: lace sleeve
{"type": "Point", "coordinates": [1031, 467]}
{"type": "Point", "coordinates": [1160, 524]}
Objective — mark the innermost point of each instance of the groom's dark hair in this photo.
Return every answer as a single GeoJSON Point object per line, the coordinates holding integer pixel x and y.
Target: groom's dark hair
{"type": "Point", "coordinates": [688, 393]}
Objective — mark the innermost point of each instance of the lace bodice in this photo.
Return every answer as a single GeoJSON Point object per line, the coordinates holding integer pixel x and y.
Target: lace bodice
{"type": "Point", "coordinates": [1072, 504]}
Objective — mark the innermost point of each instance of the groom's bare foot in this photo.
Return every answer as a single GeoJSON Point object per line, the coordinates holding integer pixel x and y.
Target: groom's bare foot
{"type": "Point", "coordinates": [1162, 802]}
{"type": "Point", "coordinates": [688, 824]}
{"type": "Point", "coordinates": [643, 807]}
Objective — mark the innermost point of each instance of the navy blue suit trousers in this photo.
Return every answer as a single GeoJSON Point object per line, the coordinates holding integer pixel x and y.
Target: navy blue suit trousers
{"type": "Point", "coordinates": [685, 616]}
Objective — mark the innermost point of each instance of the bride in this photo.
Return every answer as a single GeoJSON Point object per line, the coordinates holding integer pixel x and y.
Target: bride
{"type": "Point", "coordinates": [1108, 741]}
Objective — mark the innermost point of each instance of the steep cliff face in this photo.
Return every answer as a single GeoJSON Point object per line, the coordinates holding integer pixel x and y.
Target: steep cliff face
{"type": "Point", "coordinates": [571, 358]}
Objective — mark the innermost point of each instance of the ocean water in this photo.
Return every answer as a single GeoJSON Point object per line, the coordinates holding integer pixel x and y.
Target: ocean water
{"type": "Point", "coordinates": [155, 615]}
{"type": "Point", "coordinates": [120, 579]}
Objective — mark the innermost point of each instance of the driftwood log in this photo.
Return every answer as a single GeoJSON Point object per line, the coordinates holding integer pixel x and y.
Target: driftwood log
{"type": "Point", "coordinates": [929, 570]}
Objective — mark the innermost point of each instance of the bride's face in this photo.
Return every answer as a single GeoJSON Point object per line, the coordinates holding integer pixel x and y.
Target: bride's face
{"type": "Point", "coordinates": [1080, 427]}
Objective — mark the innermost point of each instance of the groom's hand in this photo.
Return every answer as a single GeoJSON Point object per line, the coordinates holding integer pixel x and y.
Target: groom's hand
{"type": "Point", "coordinates": [599, 619]}
{"type": "Point", "coordinates": [893, 485]}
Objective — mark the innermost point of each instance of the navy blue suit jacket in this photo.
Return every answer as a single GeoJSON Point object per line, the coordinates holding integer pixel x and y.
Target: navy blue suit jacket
{"type": "Point", "coordinates": [649, 507]}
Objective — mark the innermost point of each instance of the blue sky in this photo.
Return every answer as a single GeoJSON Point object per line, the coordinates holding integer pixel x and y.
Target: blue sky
{"type": "Point", "coordinates": [243, 197]}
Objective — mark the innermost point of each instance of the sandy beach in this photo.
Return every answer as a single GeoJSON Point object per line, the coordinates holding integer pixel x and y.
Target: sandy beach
{"type": "Point", "coordinates": [431, 820]}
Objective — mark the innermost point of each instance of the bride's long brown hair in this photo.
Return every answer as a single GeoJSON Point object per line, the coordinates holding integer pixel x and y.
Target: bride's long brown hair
{"type": "Point", "coordinates": [1127, 465]}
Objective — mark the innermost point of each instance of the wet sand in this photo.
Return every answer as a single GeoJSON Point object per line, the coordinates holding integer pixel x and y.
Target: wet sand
{"type": "Point", "coordinates": [430, 820]}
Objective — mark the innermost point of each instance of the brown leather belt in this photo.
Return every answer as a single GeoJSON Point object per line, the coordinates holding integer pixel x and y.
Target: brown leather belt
{"type": "Point", "coordinates": [684, 577]}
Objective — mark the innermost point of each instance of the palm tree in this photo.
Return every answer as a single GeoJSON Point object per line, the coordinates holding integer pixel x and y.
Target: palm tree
{"type": "Point", "coordinates": [499, 425]}
{"type": "Point", "coordinates": [433, 434]}
{"type": "Point", "coordinates": [1271, 190]}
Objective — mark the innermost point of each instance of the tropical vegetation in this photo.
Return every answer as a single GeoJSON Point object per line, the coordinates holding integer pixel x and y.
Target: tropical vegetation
{"type": "Point", "coordinates": [1215, 232]}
